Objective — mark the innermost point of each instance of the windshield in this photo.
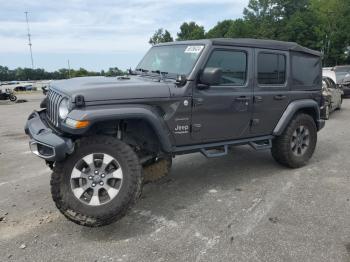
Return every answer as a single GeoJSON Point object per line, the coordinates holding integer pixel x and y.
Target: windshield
{"type": "Point", "coordinates": [171, 59]}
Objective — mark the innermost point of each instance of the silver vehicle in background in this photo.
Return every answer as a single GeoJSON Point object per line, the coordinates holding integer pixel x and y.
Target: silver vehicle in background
{"type": "Point", "coordinates": [332, 95]}
{"type": "Point", "coordinates": [340, 75]}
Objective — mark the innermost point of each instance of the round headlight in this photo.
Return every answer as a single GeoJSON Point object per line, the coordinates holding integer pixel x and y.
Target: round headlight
{"type": "Point", "coordinates": [63, 109]}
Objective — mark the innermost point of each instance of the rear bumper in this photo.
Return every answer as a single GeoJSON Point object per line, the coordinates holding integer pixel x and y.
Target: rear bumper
{"type": "Point", "coordinates": [44, 142]}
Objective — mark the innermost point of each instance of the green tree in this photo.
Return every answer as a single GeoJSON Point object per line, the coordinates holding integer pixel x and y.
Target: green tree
{"type": "Point", "coordinates": [161, 36]}
{"type": "Point", "coordinates": [333, 28]}
{"type": "Point", "coordinates": [190, 31]}
{"type": "Point", "coordinates": [221, 29]}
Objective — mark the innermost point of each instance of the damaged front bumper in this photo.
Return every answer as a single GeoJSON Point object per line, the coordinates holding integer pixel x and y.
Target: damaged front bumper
{"type": "Point", "coordinates": [43, 140]}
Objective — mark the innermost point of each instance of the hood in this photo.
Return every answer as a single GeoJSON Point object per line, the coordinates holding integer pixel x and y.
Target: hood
{"type": "Point", "coordinates": [112, 88]}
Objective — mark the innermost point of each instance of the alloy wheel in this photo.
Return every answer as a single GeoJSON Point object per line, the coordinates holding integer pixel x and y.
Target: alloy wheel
{"type": "Point", "coordinates": [96, 179]}
{"type": "Point", "coordinates": [300, 140]}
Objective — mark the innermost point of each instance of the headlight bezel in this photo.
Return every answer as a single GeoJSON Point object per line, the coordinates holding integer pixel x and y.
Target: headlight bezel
{"type": "Point", "coordinates": [63, 108]}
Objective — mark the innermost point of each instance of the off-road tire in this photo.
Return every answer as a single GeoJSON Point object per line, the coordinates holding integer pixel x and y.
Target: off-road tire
{"type": "Point", "coordinates": [156, 170]}
{"type": "Point", "coordinates": [94, 216]}
{"type": "Point", "coordinates": [281, 145]}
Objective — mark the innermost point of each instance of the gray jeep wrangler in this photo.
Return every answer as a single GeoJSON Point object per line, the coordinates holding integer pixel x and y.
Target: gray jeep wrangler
{"type": "Point", "coordinates": [103, 137]}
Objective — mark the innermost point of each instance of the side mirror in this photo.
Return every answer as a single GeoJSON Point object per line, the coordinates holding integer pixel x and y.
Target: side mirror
{"type": "Point", "coordinates": [181, 80]}
{"type": "Point", "coordinates": [211, 76]}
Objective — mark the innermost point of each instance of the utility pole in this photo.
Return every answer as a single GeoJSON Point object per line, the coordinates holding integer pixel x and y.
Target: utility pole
{"type": "Point", "coordinates": [29, 40]}
{"type": "Point", "coordinates": [68, 69]}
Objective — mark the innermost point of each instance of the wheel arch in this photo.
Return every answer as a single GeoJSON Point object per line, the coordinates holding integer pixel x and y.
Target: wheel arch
{"type": "Point", "coordinates": [140, 117]}
{"type": "Point", "coordinates": [307, 106]}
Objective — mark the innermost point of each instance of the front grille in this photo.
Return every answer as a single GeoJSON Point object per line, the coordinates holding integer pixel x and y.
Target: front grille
{"type": "Point", "coordinates": [53, 102]}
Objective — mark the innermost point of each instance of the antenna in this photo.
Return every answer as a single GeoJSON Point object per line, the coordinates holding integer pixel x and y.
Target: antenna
{"type": "Point", "coordinates": [29, 40]}
{"type": "Point", "coordinates": [68, 69]}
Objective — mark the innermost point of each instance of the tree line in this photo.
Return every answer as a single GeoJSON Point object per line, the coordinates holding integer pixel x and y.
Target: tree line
{"type": "Point", "coordinates": [23, 74]}
{"type": "Point", "coordinates": [322, 25]}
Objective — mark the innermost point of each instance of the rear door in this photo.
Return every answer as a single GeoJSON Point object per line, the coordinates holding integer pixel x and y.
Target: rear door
{"type": "Point", "coordinates": [271, 92]}
{"type": "Point", "coordinates": [223, 112]}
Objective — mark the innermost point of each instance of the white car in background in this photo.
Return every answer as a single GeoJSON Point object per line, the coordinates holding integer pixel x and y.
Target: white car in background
{"type": "Point", "coordinates": [340, 75]}
{"type": "Point", "coordinates": [330, 73]}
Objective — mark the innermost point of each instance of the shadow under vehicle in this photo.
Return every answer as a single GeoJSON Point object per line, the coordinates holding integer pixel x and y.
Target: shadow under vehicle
{"type": "Point", "coordinates": [103, 137]}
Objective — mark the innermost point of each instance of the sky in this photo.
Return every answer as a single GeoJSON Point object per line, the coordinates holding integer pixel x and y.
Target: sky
{"type": "Point", "coordinates": [97, 34]}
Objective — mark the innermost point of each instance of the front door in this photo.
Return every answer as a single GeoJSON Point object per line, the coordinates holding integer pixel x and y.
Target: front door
{"type": "Point", "coordinates": [271, 92]}
{"type": "Point", "coordinates": [223, 112]}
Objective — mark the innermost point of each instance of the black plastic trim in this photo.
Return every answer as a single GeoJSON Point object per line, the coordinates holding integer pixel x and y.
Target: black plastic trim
{"type": "Point", "coordinates": [292, 108]}
{"type": "Point", "coordinates": [36, 129]}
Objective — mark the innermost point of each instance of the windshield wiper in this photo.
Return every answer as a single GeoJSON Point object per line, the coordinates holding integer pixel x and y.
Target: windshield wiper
{"type": "Point", "coordinates": [142, 70]}
{"type": "Point", "coordinates": [162, 75]}
{"type": "Point", "coordinates": [159, 72]}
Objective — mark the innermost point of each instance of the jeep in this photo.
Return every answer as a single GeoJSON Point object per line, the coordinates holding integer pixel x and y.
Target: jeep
{"type": "Point", "coordinates": [104, 137]}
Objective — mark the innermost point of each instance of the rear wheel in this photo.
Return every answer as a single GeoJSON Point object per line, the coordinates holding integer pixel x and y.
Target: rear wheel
{"type": "Point", "coordinates": [297, 143]}
{"type": "Point", "coordinates": [98, 183]}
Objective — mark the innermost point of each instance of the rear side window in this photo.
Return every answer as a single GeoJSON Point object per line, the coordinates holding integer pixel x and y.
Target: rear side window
{"type": "Point", "coordinates": [233, 65]}
{"type": "Point", "coordinates": [271, 69]}
{"type": "Point", "coordinates": [306, 71]}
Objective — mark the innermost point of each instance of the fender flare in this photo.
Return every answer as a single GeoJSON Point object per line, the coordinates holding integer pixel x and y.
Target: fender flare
{"type": "Point", "coordinates": [292, 108]}
{"type": "Point", "coordinates": [110, 113]}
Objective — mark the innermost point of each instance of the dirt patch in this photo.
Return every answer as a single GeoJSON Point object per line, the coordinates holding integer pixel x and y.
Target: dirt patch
{"type": "Point", "coordinates": [347, 246]}
{"type": "Point", "coordinates": [15, 135]}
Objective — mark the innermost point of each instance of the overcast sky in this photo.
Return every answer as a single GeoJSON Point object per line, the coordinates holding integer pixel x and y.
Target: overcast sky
{"type": "Point", "coordinates": [97, 34]}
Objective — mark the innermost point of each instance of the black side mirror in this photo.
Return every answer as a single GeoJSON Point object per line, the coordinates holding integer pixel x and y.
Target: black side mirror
{"type": "Point", "coordinates": [211, 76]}
{"type": "Point", "coordinates": [181, 80]}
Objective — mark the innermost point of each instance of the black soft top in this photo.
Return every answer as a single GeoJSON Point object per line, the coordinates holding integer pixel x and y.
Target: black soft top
{"type": "Point", "coordinates": [249, 42]}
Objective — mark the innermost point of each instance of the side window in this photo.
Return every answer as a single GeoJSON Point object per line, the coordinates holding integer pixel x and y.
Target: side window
{"type": "Point", "coordinates": [233, 65]}
{"type": "Point", "coordinates": [271, 69]}
{"type": "Point", "coordinates": [306, 71]}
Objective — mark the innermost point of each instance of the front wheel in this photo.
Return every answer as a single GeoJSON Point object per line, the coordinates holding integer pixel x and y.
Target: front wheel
{"type": "Point", "coordinates": [297, 143]}
{"type": "Point", "coordinates": [98, 183]}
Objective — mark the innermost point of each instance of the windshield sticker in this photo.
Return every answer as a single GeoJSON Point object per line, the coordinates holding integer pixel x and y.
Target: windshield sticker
{"type": "Point", "coordinates": [194, 49]}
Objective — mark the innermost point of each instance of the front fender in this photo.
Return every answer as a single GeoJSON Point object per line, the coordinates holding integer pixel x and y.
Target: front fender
{"type": "Point", "coordinates": [96, 114]}
{"type": "Point", "coordinates": [294, 107]}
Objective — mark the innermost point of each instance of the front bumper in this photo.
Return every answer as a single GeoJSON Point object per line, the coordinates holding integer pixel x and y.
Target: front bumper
{"type": "Point", "coordinates": [43, 141]}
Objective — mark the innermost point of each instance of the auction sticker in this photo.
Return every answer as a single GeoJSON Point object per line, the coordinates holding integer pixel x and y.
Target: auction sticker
{"type": "Point", "coordinates": [194, 49]}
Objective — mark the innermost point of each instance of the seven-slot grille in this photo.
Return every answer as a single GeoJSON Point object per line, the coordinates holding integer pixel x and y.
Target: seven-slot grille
{"type": "Point", "coordinates": [53, 102]}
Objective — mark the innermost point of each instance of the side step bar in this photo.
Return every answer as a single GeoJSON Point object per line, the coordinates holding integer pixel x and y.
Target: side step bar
{"type": "Point", "coordinates": [261, 145]}
{"type": "Point", "coordinates": [209, 153]}
{"type": "Point", "coordinates": [222, 150]}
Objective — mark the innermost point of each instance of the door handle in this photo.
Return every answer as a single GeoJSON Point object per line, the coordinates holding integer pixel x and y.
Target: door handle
{"type": "Point", "coordinates": [242, 99]}
{"type": "Point", "coordinates": [279, 97]}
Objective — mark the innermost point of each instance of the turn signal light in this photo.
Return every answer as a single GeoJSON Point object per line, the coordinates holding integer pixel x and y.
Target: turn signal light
{"type": "Point", "coordinates": [77, 124]}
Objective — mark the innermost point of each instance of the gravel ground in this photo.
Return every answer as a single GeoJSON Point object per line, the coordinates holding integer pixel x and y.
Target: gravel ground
{"type": "Point", "coordinates": [242, 207]}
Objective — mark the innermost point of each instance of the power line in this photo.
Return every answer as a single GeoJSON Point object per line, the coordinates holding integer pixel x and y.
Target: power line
{"type": "Point", "coordinates": [29, 40]}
